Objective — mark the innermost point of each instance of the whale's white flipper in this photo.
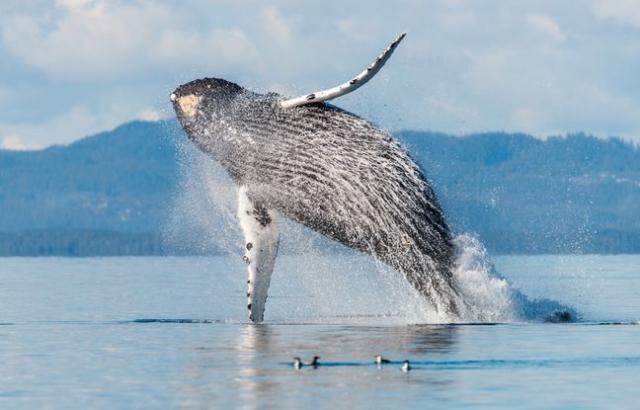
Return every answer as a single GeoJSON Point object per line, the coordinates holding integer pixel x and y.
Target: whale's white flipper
{"type": "Point", "coordinates": [351, 85]}
{"type": "Point", "coordinates": [260, 229]}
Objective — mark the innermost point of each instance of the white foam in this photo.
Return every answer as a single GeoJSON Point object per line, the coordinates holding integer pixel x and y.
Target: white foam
{"type": "Point", "coordinates": [488, 297]}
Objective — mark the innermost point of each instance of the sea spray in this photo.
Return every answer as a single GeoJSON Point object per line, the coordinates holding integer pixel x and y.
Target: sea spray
{"type": "Point", "coordinates": [487, 297]}
{"type": "Point", "coordinates": [202, 219]}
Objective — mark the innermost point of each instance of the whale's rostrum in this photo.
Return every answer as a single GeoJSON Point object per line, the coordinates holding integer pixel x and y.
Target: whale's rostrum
{"type": "Point", "coordinates": [327, 169]}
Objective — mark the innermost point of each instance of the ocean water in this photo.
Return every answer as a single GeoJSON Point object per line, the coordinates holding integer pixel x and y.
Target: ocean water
{"type": "Point", "coordinates": [172, 333]}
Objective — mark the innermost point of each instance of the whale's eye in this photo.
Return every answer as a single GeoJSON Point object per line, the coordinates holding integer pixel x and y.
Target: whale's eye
{"type": "Point", "coordinates": [189, 104]}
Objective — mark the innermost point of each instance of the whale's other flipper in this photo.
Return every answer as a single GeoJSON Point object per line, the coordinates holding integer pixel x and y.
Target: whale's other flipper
{"type": "Point", "coordinates": [260, 229]}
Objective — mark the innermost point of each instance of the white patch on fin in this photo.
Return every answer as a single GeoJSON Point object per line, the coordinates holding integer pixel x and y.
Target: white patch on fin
{"type": "Point", "coordinates": [260, 229]}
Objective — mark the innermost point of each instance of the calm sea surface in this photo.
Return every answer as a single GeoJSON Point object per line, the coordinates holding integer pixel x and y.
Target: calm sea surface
{"type": "Point", "coordinates": [172, 332]}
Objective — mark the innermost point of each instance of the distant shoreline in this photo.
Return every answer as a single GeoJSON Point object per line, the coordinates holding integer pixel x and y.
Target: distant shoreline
{"type": "Point", "coordinates": [98, 243]}
{"type": "Point", "coordinates": [496, 255]}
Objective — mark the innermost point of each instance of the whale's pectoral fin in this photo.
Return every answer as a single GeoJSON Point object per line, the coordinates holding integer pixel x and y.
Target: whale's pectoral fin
{"type": "Point", "coordinates": [260, 229]}
{"type": "Point", "coordinates": [350, 85]}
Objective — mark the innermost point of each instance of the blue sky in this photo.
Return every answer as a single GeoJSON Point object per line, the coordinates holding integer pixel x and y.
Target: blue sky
{"type": "Point", "coordinates": [69, 68]}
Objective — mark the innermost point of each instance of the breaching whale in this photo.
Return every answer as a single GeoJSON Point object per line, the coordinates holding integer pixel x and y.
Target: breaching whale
{"type": "Point", "coordinates": [327, 169]}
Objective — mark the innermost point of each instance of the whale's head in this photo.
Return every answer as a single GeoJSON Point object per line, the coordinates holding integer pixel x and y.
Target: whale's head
{"type": "Point", "coordinates": [207, 109]}
{"type": "Point", "coordinates": [204, 99]}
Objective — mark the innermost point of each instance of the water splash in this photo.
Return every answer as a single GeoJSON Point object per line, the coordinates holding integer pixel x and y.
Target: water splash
{"type": "Point", "coordinates": [202, 219]}
{"type": "Point", "coordinates": [487, 296]}
{"type": "Point", "coordinates": [490, 298]}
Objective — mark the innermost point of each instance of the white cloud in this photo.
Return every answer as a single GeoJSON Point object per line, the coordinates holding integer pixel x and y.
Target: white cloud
{"type": "Point", "coordinates": [15, 143]}
{"type": "Point", "coordinates": [276, 25]}
{"type": "Point", "coordinates": [218, 49]}
{"type": "Point", "coordinates": [455, 15]}
{"type": "Point", "coordinates": [546, 25]}
{"type": "Point", "coordinates": [623, 11]}
{"type": "Point", "coordinates": [151, 114]}
{"type": "Point", "coordinates": [77, 121]}
{"type": "Point", "coordinates": [355, 29]}
{"type": "Point", "coordinates": [100, 38]}
{"type": "Point", "coordinates": [525, 120]}
{"type": "Point", "coordinates": [73, 4]}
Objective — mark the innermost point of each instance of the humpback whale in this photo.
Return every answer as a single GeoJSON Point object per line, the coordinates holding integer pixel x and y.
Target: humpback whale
{"type": "Point", "coordinates": [326, 168]}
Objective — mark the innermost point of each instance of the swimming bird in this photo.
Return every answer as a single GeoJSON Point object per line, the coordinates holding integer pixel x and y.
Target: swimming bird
{"type": "Point", "coordinates": [324, 168]}
{"type": "Point", "coordinates": [381, 360]}
{"type": "Point", "coordinates": [314, 362]}
{"type": "Point", "coordinates": [406, 366]}
{"type": "Point", "coordinates": [297, 362]}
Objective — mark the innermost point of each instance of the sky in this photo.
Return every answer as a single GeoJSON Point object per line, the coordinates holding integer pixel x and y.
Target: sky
{"type": "Point", "coordinates": [71, 68]}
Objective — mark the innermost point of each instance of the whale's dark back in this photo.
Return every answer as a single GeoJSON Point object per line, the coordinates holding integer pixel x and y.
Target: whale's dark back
{"type": "Point", "coordinates": [339, 175]}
